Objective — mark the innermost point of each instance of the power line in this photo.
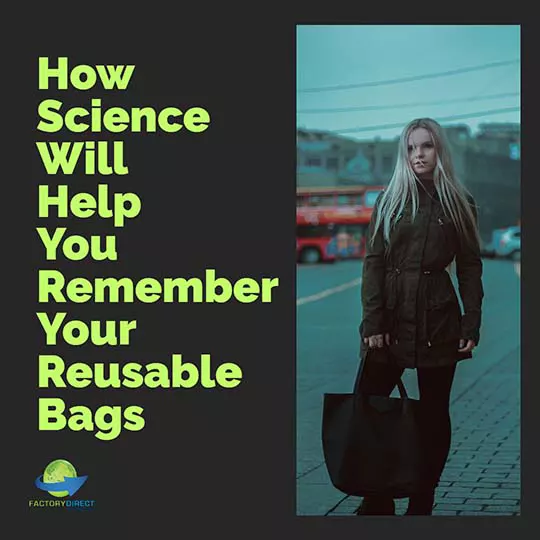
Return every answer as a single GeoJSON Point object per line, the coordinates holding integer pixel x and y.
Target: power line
{"type": "Point", "coordinates": [493, 82]}
{"type": "Point", "coordinates": [439, 119]}
{"type": "Point", "coordinates": [408, 79]}
{"type": "Point", "coordinates": [399, 106]}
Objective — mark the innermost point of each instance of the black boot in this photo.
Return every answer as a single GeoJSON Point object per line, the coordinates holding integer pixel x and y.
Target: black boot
{"type": "Point", "coordinates": [421, 505]}
{"type": "Point", "coordinates": [377, 506]}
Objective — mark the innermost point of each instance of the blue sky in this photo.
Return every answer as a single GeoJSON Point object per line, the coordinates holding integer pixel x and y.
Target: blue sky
{"type": "Point", "coordinates": [348, 55]}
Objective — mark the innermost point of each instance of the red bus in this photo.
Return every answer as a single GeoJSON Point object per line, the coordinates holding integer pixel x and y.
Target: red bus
{"type": "Point", "coordinates": [331, 223]}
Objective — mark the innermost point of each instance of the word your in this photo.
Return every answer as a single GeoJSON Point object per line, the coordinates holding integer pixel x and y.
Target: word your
{"type": "Point", "coordinates": [78, 332]}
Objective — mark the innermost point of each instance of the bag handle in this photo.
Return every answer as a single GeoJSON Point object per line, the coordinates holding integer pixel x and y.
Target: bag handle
{"type": "Point", "coordinates": [363, 358]}
{"type": "Point", "coordinates": [402, 390]}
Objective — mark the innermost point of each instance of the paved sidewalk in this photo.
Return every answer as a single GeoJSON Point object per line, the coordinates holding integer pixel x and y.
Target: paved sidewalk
{"type": "Point", "coordinates": [482, 474]}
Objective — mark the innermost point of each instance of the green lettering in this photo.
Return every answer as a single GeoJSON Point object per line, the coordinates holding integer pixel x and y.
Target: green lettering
{"type": "Point", "coordinates": [51, 121]}
{"type": "Point", "coordinates": [228, 375]}
{"type": "Point", "coordinates": [246, 290]}
{"type": "Point", "coordinates": [51, 328]}
{"type": "Point", "coordinates": [196, 120]}
{"type": "Point", "coordinates": [50, 283]}
{"type": "Point", "coordinates": [267, 285]}
{"type": "Point", "coordinates": [50, 414]}
{"type": "Point", "coordinates": [54, 155]}
{"type": "Point", "coordinates": [50, 369]}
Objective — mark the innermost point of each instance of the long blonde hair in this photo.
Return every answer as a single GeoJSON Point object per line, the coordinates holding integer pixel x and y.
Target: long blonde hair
{"type": "Point", "coordinates": [403, 185]}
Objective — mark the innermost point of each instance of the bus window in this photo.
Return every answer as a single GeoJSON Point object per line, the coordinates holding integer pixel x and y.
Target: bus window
{"type": "Point", "coordinates": [349, 200]}
{"type": "Point", "coordinates": [321, 200]}
{"type": "Point", "coordinates": [314, 231]}
{"type": "Point", "coordinates": [371, 197]}
{"type": "Point", "coordinates": [301, 200]}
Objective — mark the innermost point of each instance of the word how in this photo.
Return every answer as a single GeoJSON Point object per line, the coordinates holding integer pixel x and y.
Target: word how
{"type": "Point", "coordinates": [83, 77]}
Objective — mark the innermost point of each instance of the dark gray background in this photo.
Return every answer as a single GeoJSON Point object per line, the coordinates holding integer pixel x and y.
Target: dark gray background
{"type": "Point", "coordinates": [219, 461]}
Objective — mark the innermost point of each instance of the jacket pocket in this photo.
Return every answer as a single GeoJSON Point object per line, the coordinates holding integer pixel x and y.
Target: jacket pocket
{"type": "Point", "coordinates": [443, 314]}
{"type": "Point", "coordinates": [443, 323]}
{"type": "Point", "coordinates": [440, 292]}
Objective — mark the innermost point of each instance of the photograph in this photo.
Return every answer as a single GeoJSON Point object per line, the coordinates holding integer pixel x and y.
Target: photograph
{"type": "Point", "coordinates": [408, 268]}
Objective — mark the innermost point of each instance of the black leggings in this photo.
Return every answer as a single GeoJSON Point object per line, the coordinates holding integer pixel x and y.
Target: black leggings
{"type": "Point", "coordinates": [434, 385]}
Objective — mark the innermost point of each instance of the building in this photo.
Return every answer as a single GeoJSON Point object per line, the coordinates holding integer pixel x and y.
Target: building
{"type": "Point", "coordinates": [325, 159]}
{"type": "Point", "coordinates": [500, 139]}
{"type": "Point", "coordinates": [488, 163]}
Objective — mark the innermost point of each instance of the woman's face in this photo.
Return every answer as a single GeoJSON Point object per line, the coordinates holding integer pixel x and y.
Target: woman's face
{"type": "Point", "coordinates": [422, 154]}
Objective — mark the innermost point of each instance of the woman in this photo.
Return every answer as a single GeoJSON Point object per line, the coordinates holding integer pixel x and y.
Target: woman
{"type": "Point", "coordinates": [422, 222]}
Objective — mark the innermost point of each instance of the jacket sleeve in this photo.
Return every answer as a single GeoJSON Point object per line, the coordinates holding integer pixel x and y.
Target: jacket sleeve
{"type": "Point", "coordinates": [469, 274]}
{"type": "Point", "coordinates": [373, 278]}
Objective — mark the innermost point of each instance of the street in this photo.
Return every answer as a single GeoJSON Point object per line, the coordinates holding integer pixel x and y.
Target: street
{"type": "Point", "coordinates": [482, 475]}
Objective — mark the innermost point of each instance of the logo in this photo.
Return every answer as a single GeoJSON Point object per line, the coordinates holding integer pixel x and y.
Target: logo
{"type": "Point", "coordinates": [60, 479]}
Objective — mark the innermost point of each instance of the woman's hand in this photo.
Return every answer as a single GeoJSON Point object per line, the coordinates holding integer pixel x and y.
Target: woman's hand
{"type": "Point", "coordinates": [466, 347]}
{"type": "Point", "coordinates": [376, 341]}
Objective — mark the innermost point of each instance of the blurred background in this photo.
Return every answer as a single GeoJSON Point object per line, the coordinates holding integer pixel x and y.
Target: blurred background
{"type": "Point", "coordinates": [357, 87]}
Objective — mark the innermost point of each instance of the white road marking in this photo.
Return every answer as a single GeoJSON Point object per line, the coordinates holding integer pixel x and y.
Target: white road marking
{"type": "Point", "coordinates": [354, 283]}
{"type": "Point", "coordinates": [328, 292]}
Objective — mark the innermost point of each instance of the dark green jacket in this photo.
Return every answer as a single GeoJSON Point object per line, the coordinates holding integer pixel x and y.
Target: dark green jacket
{"type": "Point", "coordinates": [408, 293]}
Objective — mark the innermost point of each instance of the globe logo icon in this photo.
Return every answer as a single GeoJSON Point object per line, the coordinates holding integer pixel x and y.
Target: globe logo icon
{"type": "Point", "coordinates": [56, 471]}
{"type": "Point", "coordinates": [60, 479]}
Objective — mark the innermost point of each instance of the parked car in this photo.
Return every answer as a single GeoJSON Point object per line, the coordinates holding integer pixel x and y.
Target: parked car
{"type": "Point", "coordinates": [489, 249]}
{"type": "Point", "coordinates": [509, 244]}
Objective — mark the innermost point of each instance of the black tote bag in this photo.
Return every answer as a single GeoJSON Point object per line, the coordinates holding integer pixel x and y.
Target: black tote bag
{"type": "Point", "coordinates": [373, 444]}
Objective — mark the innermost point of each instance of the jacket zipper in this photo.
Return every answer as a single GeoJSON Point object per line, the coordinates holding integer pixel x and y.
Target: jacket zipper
{"type": "Point", "coordinates": [441, 223]}
{"type": "Point", "coordinates": [428, 220]}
